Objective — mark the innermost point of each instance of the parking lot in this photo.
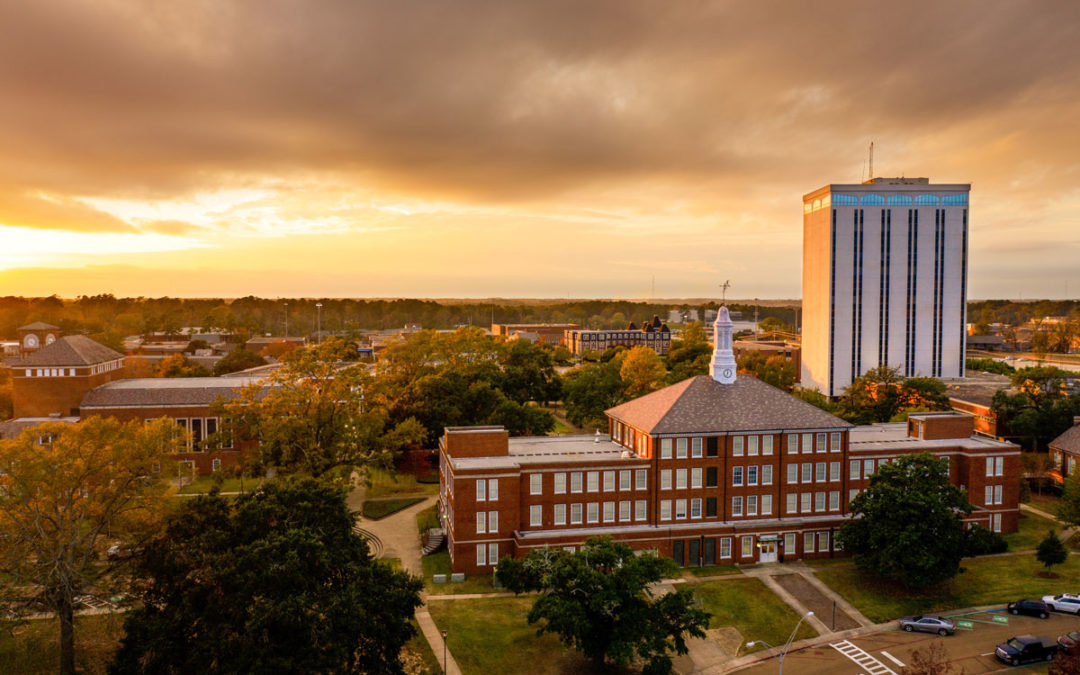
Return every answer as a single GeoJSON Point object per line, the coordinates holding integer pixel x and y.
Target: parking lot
{"type": "Point", "coordinates": [889, 651]}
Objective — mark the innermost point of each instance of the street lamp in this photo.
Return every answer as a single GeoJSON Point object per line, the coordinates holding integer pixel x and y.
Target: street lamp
{"type": "Point", "coordinates": [787, 645]}
{"type": "Point", "coordinates": [286, 320]}
{"type": "Point", "coordinates": [318, 324]}
{"type": "Point", "coordinates": [444, 651]}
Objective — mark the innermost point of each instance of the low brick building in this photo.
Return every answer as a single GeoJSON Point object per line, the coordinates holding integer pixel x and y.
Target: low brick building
{"type": "Point", "coordinates": [52, 380]}
{"type": "Point", "coordinates": [1065, 451]}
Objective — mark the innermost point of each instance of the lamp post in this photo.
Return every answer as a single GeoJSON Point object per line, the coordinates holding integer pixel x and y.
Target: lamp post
{"type": "Point", "coordinates": [318, 323]}
{"type": "Point", "coordinates": [444, 651]}
{"type": "Point", "coordinates": [787, 645]}
{"type": "Point", "coordinates": [286, 320]}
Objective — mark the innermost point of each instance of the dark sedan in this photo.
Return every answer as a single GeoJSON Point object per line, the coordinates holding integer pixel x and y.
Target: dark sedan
{"type": "Point", "coordinates": [1030, 607]}
{"type": "Point", "coordinates": [928, 623]}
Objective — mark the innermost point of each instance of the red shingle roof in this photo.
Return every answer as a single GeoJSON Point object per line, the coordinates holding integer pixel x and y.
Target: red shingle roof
{"type": "Point", "coordinates": [1069, 441]}
{"type": "Point", "coordinates": [39, 325]}
{"type": "Point", "coordinates": [701, 405]}
{"type": "Point", "coordinates": [72, 350]}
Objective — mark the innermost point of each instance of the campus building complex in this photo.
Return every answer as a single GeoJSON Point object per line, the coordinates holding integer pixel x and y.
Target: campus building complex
{"type": "Point", "coordinates": [884, 280]}
{"type": "Point", "coordinates": [714, 469]}
{"type": "Point", "coordinates": [653, 334]}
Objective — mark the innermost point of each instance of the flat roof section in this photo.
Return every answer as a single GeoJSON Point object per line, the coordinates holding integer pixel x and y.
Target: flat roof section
{"type": "Point", "coordinates": [894, 436]}
{"type": "Point", "coordinates": [527, 450]}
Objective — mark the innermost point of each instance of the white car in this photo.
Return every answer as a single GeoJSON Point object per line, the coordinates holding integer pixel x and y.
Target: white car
{"type": "Point", "coordinates": [1066, 602]}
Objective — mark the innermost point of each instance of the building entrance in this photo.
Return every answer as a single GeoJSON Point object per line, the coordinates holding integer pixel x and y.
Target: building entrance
{"type": "Point", "coordinates": [767, 552]}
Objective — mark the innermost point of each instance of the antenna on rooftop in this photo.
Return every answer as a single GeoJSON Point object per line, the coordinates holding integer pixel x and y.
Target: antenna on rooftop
{"type": "Point", "coordinates": [723, 290]}
{"type": "Point", "coordinates": [871, 160]}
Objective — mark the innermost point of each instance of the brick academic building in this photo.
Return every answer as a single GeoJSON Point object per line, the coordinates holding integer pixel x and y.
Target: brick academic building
{"type": "Point", "coordinates": [713, 470]}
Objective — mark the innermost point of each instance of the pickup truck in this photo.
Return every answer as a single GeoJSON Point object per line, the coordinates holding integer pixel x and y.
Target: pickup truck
{"type": "Point", "coordinates": [1026, 649]}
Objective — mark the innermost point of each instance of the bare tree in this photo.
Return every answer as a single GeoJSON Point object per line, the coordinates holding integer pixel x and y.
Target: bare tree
{"type": "Point", "coordinates": [931, 660]}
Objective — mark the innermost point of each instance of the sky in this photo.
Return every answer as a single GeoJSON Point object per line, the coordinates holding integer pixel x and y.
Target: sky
{"type": "Point", "coordinates": [548, 148]}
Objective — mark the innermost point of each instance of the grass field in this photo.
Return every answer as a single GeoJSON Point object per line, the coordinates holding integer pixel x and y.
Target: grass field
{"type": "Point", "coordinates": [439, 563]}
{"type": "Point", "coordinates": [986, 581]}
{"type": "Point", "coordinates": [427, 519]}
{"type": "Point", "coordinates": [205, 483]}
{"type": "Point", "coordinates": [709, 571]}
{"type": "Point", "coordinates": [34, 647]}
{"type": "Point", "coordinates": [750, 607]}
{"type": "Point", "coordinates": [384, 483]}
{"type": "Point", "coordinates": [417, 657]}
{"type": "Point", "coordinates": [376, 509]}
{"type": "Point", "coordinates": [1032, 530]}
{"type": "Point", "coordinates": [493, 635]}
{"type": "Point", "coordinates": [1044, 502]}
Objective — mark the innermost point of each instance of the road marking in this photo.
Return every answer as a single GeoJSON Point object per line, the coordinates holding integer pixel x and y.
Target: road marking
{"type": "Point", "coordinates": [987, 654]}
{"type": "Point", "coordinates": [871, 665]}
{"type": "Point", "coordinates": [892, 658]}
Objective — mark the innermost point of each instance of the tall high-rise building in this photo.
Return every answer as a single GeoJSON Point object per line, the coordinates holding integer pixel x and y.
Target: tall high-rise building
{"type": "Point", "coordinates": [884, 280]}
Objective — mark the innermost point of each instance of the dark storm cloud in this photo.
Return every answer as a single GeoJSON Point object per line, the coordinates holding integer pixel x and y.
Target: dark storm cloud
{"type": "Point", "coordinates": [507, 100]}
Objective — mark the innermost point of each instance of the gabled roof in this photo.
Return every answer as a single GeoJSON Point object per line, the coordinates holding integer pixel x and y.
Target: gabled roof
{"type": "Point", "coordinates": [701, 405]}
{"type": "Point", "coordinates": [71, 350]}
{"type": "Point", "coordinates": [1068, 441]}
{"type": "Point", "coordinates": [166, 391]}
{"type": "Point", "coordinates": [39, 325]}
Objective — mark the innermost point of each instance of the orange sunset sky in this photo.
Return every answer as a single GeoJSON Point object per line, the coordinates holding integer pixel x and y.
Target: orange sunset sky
{"type": "Point", "coordinates": [534, 149]}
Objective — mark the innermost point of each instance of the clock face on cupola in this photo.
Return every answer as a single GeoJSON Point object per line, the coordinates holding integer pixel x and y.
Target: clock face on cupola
{"type": "Point", "coordinates": [30, 341]}
{"type": "Point", "coordinates": [49, 339]}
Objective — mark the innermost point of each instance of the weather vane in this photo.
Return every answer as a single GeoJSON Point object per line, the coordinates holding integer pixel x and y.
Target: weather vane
{"type": "Point", "coordinates": [723, 291]}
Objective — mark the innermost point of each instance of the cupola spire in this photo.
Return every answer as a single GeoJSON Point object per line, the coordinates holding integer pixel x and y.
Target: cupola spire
{"type": "Point", "coordinates": [722, 368]}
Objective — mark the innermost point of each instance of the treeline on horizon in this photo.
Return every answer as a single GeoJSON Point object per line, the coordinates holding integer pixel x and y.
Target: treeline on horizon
{"type": "Point", "coordinates": [108, 318]}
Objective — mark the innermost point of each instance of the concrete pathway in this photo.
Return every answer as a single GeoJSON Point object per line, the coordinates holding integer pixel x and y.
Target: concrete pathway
{"type": "Point", "coordinates": [1066, 532]}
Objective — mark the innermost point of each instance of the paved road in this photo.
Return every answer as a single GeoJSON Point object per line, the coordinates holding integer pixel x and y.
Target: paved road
{"type": "Point", "coordinates": [970, 650]}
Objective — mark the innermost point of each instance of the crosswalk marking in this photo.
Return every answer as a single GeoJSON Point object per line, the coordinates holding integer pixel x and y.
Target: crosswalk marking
{"type": "Point", "coordinates": [871, 665]}
{"type": "Point", "coordinates": [892, 658]}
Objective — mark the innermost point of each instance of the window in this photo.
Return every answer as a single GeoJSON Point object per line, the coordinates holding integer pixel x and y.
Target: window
{"type": "Point", "coordinates": [695, 477]}
{"type": "Point", "coordinates": [536, 484]}
{"type": "Point", "coordinates": [624, 480]}
{"type": "Point", "coordinates": [695, 508]}
{"type": "Point", "coordinates": [853, 469]}
{"type": "Point", "coordinates": [680, 509]}
{"type": "Point", "coordinates": [481, 554]}
{"type": "Point", "coordinates": [712, 447]}
{"type": "Point", "coordinates": [560, 483]}
{"type": "Point", "coordinates": [804, 502]}
{"type": "Point", "coordinates": [835, 444]}
{"type": "Point", "coordinates": [989, 495]}
{"type": "Point", "coordinates": [808, 542]}
{"type": "Point", "coordinates": [536, 515]}
{"type": "Point", "coordinates": [493, 521]}
{"type": "Point", "coordinates": [481, 522]}
{"type": "Point", "coordinates": [680, 479]}
{"type": "Point", "coordinates": [215, 464]}
{"type": "Point", "coordinates": [868, 468]}
{"type": "Point", "coordinates": [989, 466]}
{"type": "Point", "coordinates": [737, 446]}
{"type": "Point", "coordinates": [665, 479]}
{"type": "Point", "coordinates": [575, 481]}
{"type": "Point", "coordinates": [493, 554]}
{"type": "Point", "coordinates": [821, 447]}
{"type": "Point", "coordinates": [736, 476]}
{"type": "Point", "coordinates": [695, 447]}
{"type": "Point", "coordinates": [793, 444]}
{"type": "Point", "coordinates": [834, 471]}
{"type": "Point", "coordinates": [592, 512]}
{"type": "Point", "coordinates": [710, 476]}
{"type": "Point", "coordinates": [609, 512]}
{"type": "Point", "coordinates": [665, 509]}
{"type": "Point", "coordinates": [609, 481]}
{"type": "Point", "coordinates": [852, 494]}
{"type": "Point", "coordinates": [792, 473]}
{"type": "Point", "coordinates": [725, 547]}
{"type": "Point", "coordinates": [575, 514]}
{"type": "Point", "coordinates": [807, 472]}
{"type": "Point", "coordinates": [493, 489]}
{"type": "Point", "coordinates": [665, 448]}
{"type": "Point", "coordinates": [766, 445]}
{"type": "Point", "coordinates": [680, 448]}
{"type": "Point", "coordinates": [789, 543]}
{"type": "Point", "coordinates": [747, 547]}
{"type": "Point", "coordinates": [819, 472]}
{"type": "Point", "coordinates": [640, 510]}
{"type": "Point", "coordinates": [997, 494]}
{"type": "Point", "coordinates": [945, 465]}
{"type": "Point", "coordinates": [560, 514]}
{"type": "Point", "coordinates": [736, 506]}
{"type": "Point", "coordinates": [995, 522]}
{"type": "Point", "coordinates": [834, 500]}
{"type": "Point", "coordinates": [819, 501]}
{"type": "Point", "coordinates": [792, 503]}
{"type": "Point", "coordinates": [710, 507]}
{"type": "Point", "coordinates": [751, 475]}
{"type": "Point", "coordinates": [823, 541]}
{"type": "Point", "coordinates": [766, 505]}
{"type": "Point", "coordinates": [481, 490]}
{"type": "Point", "coordinates": [752, 445]}
{"type": "Point", "coordinates": [640, 478]}
{"type": "Point", "coordinates": [592, 481]}
{"type": "Point", "coordinates": [751, 505]}
{"type": "Point", "coordinates": [624, 511]}
{"type": "Point", "coordinates": [807, 443]}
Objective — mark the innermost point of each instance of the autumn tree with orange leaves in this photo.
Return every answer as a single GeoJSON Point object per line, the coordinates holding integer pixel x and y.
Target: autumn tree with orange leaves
{"type": "Point", "coordinates": [67, 492]}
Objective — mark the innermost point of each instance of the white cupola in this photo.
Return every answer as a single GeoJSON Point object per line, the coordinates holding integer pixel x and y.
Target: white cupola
{"type": "Point", "coordinates": [722, 368]}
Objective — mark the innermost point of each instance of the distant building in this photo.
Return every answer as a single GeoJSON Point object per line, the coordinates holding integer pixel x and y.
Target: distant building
{"type": "Point", "coordinates": [546, 333]}
{"type": "Point", "coordinates": [974, 394]}
{"type": "Point", "coordinates": [653, 334]}
{"type": "Point", "coordinates": [34, 336]}
{"type": "Point", "coordinates": [884, 280]}
{"type": "Point", "coordinates": [51, 380]}
{"type": "Point", "coordinates": [257, 344]}
{"type": "Point", "coordinates": [1065, 451]}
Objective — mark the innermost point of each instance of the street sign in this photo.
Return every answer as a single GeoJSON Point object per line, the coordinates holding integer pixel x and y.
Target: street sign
{"type": "Point", "coordinates": [1000, 619]}
{"type": "Point", "coordinates": [968, 625]}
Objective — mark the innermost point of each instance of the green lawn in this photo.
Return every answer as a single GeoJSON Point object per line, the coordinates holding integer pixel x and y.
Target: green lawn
{"type": "Point", "coordinates": [384, 483]}
{"type": "Point", "coordinates": [1032, 530]}
{"type": "Point", "coordinates": [493, 635]}
{"type": "Point", "coordinates": [34, 647]}
{"type": "Point", "coordinates": [750, 607]}
{"type": "Point", "coordinates": [986, 581]}
{"type": "Point", "coordinates": [709, 571]}
{"type": "Point", "coordinates": [205, 483]}
{"type": "Point", "coordinates": [417, 657]}
{"type": "Point", "coordinates": [376, 509]}
{"type": "Point", "coordinates": [1044, 502]}
{"type": "Point", "coordinates": [439, 563]}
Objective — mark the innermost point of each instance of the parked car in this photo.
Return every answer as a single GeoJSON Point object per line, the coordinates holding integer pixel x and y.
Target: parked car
{"type": "Point", "coordinates": [1066, 602]}
{"type": "Point", "coordinates": [928, 623]}
{"type": "Point", "coordinates": [1026, 649]}
{"type": "Point", "coordinates": [1030, 607]}
{"type": "Point", "coordinates": [1069, 642]}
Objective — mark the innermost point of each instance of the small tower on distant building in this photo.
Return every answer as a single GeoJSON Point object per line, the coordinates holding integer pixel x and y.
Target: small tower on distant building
{"type": "Point", "coordinates": [34, 336]}
{"type": "Point", "coordinates": [722, 368]}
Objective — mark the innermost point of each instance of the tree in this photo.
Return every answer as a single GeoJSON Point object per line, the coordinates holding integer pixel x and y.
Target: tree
{"type": "Point", "coordinates": [693, 333]}
{"type": "Point", "coordinates": [195, 345]}
{"type": "Point", "coordinates": [930, 660]}
{"type": "Point", "coordinates": [590, 390]}
{"type": "Point", "coordinates": [278, 348]}
{"type": "Point", "coordinates": [1040, 411]}
{"type": "Point", "coordinates": [238, 359]}
{"type": "Point", "coordinates": [642, 371]}
{"type": "Point", "coordinates": [775, 370]}
{"type": "Point", "coordinates": [1051, 551]}
{"type": "Point", "coordinates": [596, 600]}
{"type": "Point", "coordinates": [178, 365]}
{"type": "Point", "coordinates": [67, 490]}
{"type": "Point", "coordinates": [906, 526]}
{"type": "Point", "coordinates": [1065, 663]}
{"type": "Point", "coordinates": [872, 397]}
{"type": "Point", "coordinates": [1069, 507]}
{"type": "Point", "coordinates": [273, 581]}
